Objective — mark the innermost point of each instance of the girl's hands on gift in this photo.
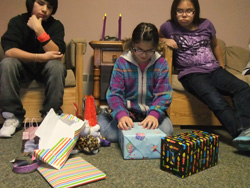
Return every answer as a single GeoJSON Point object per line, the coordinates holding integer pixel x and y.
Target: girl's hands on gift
{"type": "Point", "coordinates": [125, 123]}
{"type": "Point", "coordinates": [150, 122]}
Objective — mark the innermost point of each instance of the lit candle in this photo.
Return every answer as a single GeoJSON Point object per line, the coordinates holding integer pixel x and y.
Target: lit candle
{"type": "Point", "coordinates": [119, 27]}
{"type": "Point", "coordinates": [104, 26]}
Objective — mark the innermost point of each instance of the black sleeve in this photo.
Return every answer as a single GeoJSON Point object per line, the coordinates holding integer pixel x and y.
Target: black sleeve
{"type": "Point", "coordinates": [13, 37]}
{"type": "Point", "coordinates": [57, 35]}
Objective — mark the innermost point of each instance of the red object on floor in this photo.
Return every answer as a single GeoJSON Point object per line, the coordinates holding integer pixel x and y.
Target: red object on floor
{"type": "Point", "coordinates": [90, 110]}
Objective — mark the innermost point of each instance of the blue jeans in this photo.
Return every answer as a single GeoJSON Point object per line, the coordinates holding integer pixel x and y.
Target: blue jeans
{"type": "Point", "coordinates": [211, 88]}
{"type": "Point", "coordinates": [109, 127]}
{"type": "Point", "coordinates": [14, 72]}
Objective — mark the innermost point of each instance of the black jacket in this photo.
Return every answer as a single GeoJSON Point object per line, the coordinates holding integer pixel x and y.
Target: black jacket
{"type": "Point", "coordinates": [19, 35]}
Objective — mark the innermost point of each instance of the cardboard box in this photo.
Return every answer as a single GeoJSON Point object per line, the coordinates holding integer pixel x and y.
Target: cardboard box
{"type": "Point", "coordinates": [188, 153]}
{"type": "Point", "coordinates": [139, 143]}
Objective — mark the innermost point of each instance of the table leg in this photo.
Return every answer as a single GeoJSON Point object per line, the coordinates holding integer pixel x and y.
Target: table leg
{"type": "Point", "coordinates": [96, 88]}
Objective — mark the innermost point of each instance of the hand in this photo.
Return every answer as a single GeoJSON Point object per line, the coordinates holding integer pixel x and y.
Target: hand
{"type": "Point", "coordinates": [125, 123]}
{"type": "Point", "coordinates": [149, 122]}
{"type": "Point", "coordinates": [35, 24]}
{"type": "Point", "coordinates": [171, 43]}
{"type": "Point", "coordinates": [50, 55]}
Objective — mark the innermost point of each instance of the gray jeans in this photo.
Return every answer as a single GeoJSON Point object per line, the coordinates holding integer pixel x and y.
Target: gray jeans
{"type": "Point", "coordinates": [109, 127]}
{"type": "Point", "coordinates": [14, 72]}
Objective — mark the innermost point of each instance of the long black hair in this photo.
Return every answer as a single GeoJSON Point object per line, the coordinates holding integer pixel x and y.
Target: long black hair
{"type": "Point", "coordinates": [197, 20]}
{"type": "Point", "coordinates": [30, 4]}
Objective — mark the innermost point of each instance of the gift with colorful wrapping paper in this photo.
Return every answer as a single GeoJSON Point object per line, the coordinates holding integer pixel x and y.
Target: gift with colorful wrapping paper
{"type": "Point", "coordinates": [188, 153]}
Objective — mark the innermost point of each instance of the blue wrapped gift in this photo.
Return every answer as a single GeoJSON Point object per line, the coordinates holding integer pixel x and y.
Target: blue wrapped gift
{"type": "Point", "coordinates": [140, 143]}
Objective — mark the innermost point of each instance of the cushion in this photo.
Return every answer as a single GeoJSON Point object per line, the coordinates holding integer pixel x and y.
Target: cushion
{"type": "Point", "coordinates": [176, 84]}
{"type": "Point", "coordinates": [70, 80]}
{"type": "Point", "coordinates": [222, 45]}
{"type": "Point", "coordinates": [236, 58]}
{"type": "Point", "coordinates": [71, 51]}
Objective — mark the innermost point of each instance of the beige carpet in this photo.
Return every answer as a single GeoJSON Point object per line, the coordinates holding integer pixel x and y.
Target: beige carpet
{"type": "Point", "coordinates": [233, 169]}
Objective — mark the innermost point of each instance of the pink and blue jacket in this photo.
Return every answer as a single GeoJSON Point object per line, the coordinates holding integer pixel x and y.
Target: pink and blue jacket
{"type": "Point", "coordinates": [147, 92]}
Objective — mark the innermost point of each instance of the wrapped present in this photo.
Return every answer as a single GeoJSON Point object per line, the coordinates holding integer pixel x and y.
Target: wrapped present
{"type": "Point", "coordinates": [140, 143]}
{"type": "Point", "coordinates": [188, 153]}
{"type": "Point", "coordinates": [75, 172]}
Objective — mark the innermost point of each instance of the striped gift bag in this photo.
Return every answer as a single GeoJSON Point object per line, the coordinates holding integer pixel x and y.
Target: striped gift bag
{"type": "Point", "coordinates": [58, 136]}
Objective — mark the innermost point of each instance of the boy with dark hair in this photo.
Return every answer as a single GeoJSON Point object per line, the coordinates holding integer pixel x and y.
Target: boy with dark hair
{"type": "Point", "coordinates": [33, 45]}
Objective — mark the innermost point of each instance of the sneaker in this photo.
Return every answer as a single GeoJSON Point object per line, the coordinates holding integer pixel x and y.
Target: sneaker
{"type": "Point", "coordinates": [10, 125]}
{"type": "Point", "coordinates": [242, 142]}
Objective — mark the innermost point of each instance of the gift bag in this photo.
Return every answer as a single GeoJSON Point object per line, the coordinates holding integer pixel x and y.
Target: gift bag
{"type": "Point", "coordinates": [90, 110]}
{"type": "Point", "coordinates": [58, 136]}
{"type": "Point", "coordinates": [29, 139]}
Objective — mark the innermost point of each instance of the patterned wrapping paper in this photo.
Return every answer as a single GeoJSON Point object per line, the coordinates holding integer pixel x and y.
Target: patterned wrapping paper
{"type": "Point", "coordinates": [140, 143]}
{"type": "Point", "coordinates": [58, 136]}
{"type": "Point", "coordinates": [75, 172]}
{"type": "Point", "coordinates": [188, 153]}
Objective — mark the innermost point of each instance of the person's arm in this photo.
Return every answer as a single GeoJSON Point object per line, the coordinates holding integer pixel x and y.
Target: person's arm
{"type": "Point", "coordinates": [11, 42]}
{"type": "Point", "coordinates": [169, 42]}
{"type": "Point", "coordinates": [217, 51]}
{"type": "Point", "coordinates": [33, 57]}
{"type": "Point", "coordinates": [115, 97]}
{"type": "Point", "coordinates": [36, 25]}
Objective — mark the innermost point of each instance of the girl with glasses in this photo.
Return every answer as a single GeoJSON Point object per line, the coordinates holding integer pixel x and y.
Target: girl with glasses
{"type": "Point", "coordinates": [198, 58]}
{"type": "Point", "coordinates": [139, 88]}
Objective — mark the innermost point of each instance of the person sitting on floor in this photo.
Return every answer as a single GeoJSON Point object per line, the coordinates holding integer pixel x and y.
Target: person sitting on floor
{"type": "Point", "coordinates": [139, 88]}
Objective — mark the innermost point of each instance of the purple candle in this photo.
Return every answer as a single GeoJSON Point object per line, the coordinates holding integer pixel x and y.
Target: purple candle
{"type": "Point", "coordinates": [104, 26]}
{"type": "Point", "coordinates": [119, 27]}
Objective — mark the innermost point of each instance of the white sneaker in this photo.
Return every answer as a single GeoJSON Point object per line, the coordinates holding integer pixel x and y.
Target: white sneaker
{"type": "Point", "coordinates": [10, 125]}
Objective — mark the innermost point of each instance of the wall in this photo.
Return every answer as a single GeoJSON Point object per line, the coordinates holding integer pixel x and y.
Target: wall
{"type": "Point", "coordinates": [83, 19]}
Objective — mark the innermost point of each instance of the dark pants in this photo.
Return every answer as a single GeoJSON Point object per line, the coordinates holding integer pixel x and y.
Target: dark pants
{"type": "Point", "coordinates": [211, 88]}
{"type": "Point", "coordinates": [13, 72]}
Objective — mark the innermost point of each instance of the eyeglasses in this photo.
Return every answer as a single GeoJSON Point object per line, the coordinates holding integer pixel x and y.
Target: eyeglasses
{"type": "Point", "coordinates": [140, 51]}
{"type": "Point", "coordinates": [188, 12]}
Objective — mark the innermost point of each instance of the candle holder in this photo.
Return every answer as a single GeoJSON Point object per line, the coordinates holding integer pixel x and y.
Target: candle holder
{"type": "Point", "coordinates": [111, 38]}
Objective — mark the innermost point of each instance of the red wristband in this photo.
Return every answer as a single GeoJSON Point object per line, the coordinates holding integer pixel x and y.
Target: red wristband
{"type": "Point", "coordinates": [43, 37]}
